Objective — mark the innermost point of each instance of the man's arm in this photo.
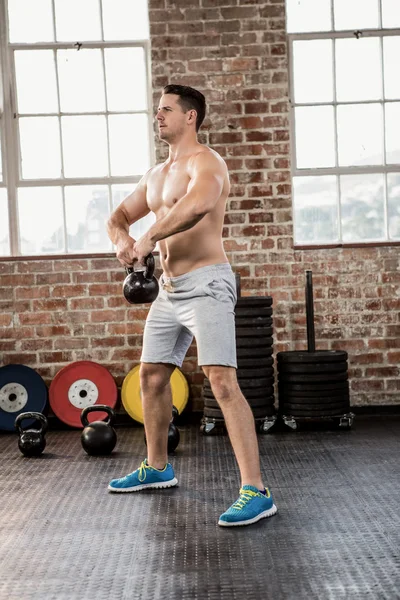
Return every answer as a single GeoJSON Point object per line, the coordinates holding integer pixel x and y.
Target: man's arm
{"type": "Point", "coordinates": [203, 192]}
{"type": "Point", "coordinates": [131, 209]}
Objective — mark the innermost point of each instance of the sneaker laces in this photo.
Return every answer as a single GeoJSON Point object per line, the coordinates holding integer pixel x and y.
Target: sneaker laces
{"type": "Point", "coordinates": [142, 471]}
{"type": "Point", "coordinates": [245, 497]}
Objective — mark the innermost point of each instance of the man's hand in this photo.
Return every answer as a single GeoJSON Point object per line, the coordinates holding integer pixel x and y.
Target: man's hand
{"type": "Point", "coordinates": [143, 247]}
{"type": "Point", "coordinates": [125, 251]}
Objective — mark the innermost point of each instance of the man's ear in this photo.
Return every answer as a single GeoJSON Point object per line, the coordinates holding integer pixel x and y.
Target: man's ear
{"type": "Point", "coordinates": [192, 116]}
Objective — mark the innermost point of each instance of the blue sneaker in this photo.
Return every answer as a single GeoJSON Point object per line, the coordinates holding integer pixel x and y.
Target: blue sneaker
{"type": "Point", "coordinates": [251, 506]}
{"type": "Point", "coordinates": [145, 477]}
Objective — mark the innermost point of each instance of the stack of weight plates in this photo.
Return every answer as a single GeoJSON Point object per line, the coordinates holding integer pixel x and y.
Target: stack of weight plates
{"type": "Point", "coordinates": [254, 357]}
{"type": "Point", "coordinates": [313, 384]}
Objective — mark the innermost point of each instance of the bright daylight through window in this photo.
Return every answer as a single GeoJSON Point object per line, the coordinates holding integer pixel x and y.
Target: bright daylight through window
{"type": "Point", "coordinates": [75, 121]}
{"type": "Point", "coordinates": [345, 102]}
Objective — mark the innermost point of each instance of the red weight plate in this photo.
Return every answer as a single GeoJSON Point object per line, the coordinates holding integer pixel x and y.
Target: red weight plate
{"type": "Point", "coordinates": [78, 385]}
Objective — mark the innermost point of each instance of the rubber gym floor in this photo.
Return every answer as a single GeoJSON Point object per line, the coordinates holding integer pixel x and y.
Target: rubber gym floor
{"type": "Point", "coordinates": [336, 535]}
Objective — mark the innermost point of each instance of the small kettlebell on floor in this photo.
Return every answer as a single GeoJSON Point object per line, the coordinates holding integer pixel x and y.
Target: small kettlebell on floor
{"type": "Point", "coordinates": [141, 286]}
{"type": "Point", "coordinates": [31, 441]}
{"type": "Point", "coordinates": [173, 432]}
{"type": "Point", "coordinates": [98, 437]}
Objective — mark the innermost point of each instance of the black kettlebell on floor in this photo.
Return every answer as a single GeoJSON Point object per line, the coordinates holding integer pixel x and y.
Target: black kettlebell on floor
{"type": "Point", "coordinates": [173, 432]}
{"type": "Point", "coordinates": [141, 286]}
{"type": "Point", "coordinates": [98, 437]}
{"type": "Point", "coordinates": [31, 441]}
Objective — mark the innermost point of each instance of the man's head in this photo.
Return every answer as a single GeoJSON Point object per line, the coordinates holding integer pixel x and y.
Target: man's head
{"type": "Point", "coordinates": [180, 107]}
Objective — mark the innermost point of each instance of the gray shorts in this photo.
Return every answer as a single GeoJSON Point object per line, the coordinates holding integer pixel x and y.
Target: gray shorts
{"type": "Point", "coordinates": [198, 304]}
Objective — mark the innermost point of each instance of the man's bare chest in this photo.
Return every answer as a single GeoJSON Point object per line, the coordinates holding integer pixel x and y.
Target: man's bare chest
{"type": "Point", "coordinates": [166, 187]}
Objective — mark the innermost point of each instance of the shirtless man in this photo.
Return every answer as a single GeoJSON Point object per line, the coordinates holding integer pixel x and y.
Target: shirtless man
{"type": "Point", "coordinates": [188, 193]}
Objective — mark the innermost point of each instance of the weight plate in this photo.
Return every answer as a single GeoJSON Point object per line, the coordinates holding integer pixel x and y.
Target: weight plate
{"type": "Point", "coordinates": [255, 402]}
{"type": "Point", "coordinates": [79, 385]}
{"type": "Point", "coordinates": [302, 356]}
{"type": "Point", "coordinates": [259, 411]}
{"type": "Point", "coordinates": [248, 301]}
{"type": "Point", "coordinates": [314, 388]}
{"type": "Point", "coordinates": [254, 342]}
{"type": "Point", "coordinates": [256, 373]}
{"type": "Point", "coordinates": [295, 398]}
{"type": "Point", "coordinates": [252, 312]}
{"type": "Point", "coordinates": [248, 393]}
{"type": "Point", "coordinates": [21, 390]}
{"type": "Point", "coordinates": [251, 363]}
{"type": "Point", "coordinates": [316, 407]}
{"type": "Point", "coordinates": [248, 384]}
{"type": "Point", "coordinates": [333, 367]}
{"type": "Point", "coordinates": [131, 393]}
{"type": "Point", "coordinates": [312, 377]}
{"type": "Point", "coordinates": [334, 412]}
{"type": "Point", "coordinates": [258, 332]}
{"type": "Point", "coordinates": [253, 322]}
{"type": "Point", "coordinates": [254, 352]}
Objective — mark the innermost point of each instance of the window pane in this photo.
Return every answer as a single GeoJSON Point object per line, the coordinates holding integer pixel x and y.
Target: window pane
{"type": "Point", "coordinates": [40, 147]}
{"type": "Point", "coordinates": [393, 190]}
{"type": "Point", "coordinates": [87, 210]}
{"type": "Point", "coordinates": [312, 69]}
{"type": "Point", "coordinates": [390, 13]}
{"type": "Point", "coordinates": [315, 137]}
{"type": "Point", "coordinates": [39, 235]}
{"type": "Point", "coordinates": [1, 156]}
{"type": "Point", "coordinates": [308, 15]}
{"type": "Point", "coordinates": [391, 53]}
{"type": "Point", "coordinates": [358, 69]}
{"type": "Point", "coordinates": [81, 80]}
{"type": "Point", "coordinates": [125, 20]}
{"type": "Point", "coordinates": [77, 20]}
{"type": "Point", "coordinates": [362, 207]}
{"type": "Point", "coordinates": [119, 193]}
{"type": "Point", "coordinates": [356, 14]}
{"type": "Point", "coordinates": [30, 21]}
{"type": "Point", "coordinates": [315, 205]}
{"type": "Point", "coordinates": [129, 144]}
{"type": "Point", "coordinates": [36, 81]}
{"type": "Point", "coordinates": [85, 146]}
{"type": "Point", "coordinates": [392, 127]}
{"type": "Point", "coordinates": [4, 233]}
{"type": "Point", "coordinates": [126, 79]}
{"type": "Point", "coordinates": [360, 134]}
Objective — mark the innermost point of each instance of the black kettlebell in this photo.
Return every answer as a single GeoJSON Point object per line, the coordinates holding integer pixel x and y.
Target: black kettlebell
{"type": "Point", "coordinates": [141, 286]}
{"type": "Point", "coordinates": [98, 437]}
{"type": "Point", "coordinates": [173, 432]}
{"type": "Point", "coordinates": [31, 441]}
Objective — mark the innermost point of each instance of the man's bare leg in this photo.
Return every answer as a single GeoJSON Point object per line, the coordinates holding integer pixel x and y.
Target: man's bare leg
{"type": "Point", "coordinates": [239, 422]}
{"type": "Point", "coordinates": [157, 410]}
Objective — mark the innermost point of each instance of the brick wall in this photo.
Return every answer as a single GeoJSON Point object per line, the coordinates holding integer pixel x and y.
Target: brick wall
{"type": "Point", "coordinates": [57, 311]}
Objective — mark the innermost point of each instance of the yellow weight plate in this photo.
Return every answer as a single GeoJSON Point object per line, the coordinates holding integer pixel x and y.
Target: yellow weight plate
{"type": "Point", "coordinates": [131, 396]}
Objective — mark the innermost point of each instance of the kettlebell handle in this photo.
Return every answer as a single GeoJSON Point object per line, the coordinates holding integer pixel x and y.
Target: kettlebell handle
{"type": "Point", "coordinates": [97, 408]}
{"type": "Point", "coordinates": [150, 266]}
{"type": "Point", "coordinates": [31, 415]}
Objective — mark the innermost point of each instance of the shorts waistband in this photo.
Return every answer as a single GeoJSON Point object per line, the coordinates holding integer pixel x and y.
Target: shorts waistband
{"type": "Point", "coordinates": [196, 273]}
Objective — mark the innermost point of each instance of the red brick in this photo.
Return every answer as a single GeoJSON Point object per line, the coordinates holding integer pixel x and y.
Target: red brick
{"type": "Point", "coordinates": [104, 316]}
{"type": "Point", "coordinates": [35, 318]}
{"type": "Point", "coordinates": [86, 303]}
{"type": "Point", "coordinates": [53, 330]}
{"type": "Point", "coordinates": [19, 358]}
{"type": "Point", "coordinates": [18, 333]}
{"type": "Point", "coordinates": [14, 280]}
{"type": "Point", "coordinates": [8, 346]}
{"type": "Point", "coordinates": [261, 217]}
{"type": "Point", "coordinates": [248, 231]}
{"type": "Point", "coordinates": [108, 342]}
{"type": "Point", "coordinates": [37, 344]}
{"type": "Point", "coordinates": [231, 218]}
{"type": "Point", "coordinates": [68, 291]}
{"type": "Point", "coordinates": [55, 357]}
{"type": "Point", "coordinates": [259, 136]}
{"type": "Point", "coordinates": [49, 304]}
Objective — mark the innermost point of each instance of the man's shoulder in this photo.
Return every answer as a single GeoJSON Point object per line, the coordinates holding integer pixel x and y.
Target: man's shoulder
{"type": "Point", "coordinates": [205, 157]}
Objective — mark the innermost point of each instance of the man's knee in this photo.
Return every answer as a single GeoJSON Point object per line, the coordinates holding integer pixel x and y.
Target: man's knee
{"type": "Point", "coordinates": [223, 382]}
{"type": "Point", "coordinates": [155, 376]}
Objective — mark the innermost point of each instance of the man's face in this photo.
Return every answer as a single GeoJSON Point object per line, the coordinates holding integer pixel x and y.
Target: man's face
{"type": "Point", "coordinates": [170, 117]}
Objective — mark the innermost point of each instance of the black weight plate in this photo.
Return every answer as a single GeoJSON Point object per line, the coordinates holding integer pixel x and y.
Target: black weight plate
{"type": "Point", "coordinates": [253, 322]}
{"type": "Point", "coordinates": [254, 342]}
{"type": "Point", "coordinates": [302, 356]}
{"type": "Point", "coordinates": [304, 369]}
{"type": "Point", "coordinates": [258, 412]}
{"type": "Point", "coordinates": [248, 384]}
{"type": "Point", "coordinates": [248, 393]}
{"type": "Point", "coordinates": [335, 412]}
{"type": "Point", "coordinates": [248, 373]}
{"type": "Point", "coordinates": [258, 332]}
{"type": "Point", "coordinates": [253, 312]}
{"type": "Point", "coordinates": [314, 389]}
{"type": "Point", "coordinates": [251, 363]}
{"type": "Point", "coordinates": [21, 390]}
{"type": "Point", "coordinates": [255, 353]}
{"type": "Point", "coordinates": [255, 402]}
{"type": "Point", "coordinates": [312, 377]}
{"type": "Point", "coordinates": [248, 301]}
{"type": "Point", "coordinates": [320, 399]}
{"type": "Point", "coordinates": [316, 408]}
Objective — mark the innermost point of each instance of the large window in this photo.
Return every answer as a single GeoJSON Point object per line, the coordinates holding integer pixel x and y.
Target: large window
{"type": "Point", "coordinates": [345, 99]}
{"type": "Point", "coordinates": [75, 120]}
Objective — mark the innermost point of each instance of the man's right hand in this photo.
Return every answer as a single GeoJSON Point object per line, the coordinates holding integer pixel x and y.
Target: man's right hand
{"type": "Point", "coordinates": [125, 252]}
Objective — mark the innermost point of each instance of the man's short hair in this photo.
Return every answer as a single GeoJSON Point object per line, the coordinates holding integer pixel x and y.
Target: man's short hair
{"type": "Point", "coordinates": [189, 99]}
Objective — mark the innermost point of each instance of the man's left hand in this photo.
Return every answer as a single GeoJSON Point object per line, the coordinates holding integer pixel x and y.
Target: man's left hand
{"type": "Point", "coordinates": [143, 247]}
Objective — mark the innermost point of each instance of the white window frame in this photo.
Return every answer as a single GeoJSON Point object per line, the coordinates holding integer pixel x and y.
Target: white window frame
{"type": "Point", "coordinates": [9, 130]}
{"type": "Point", "coordinates": [352, 170]}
